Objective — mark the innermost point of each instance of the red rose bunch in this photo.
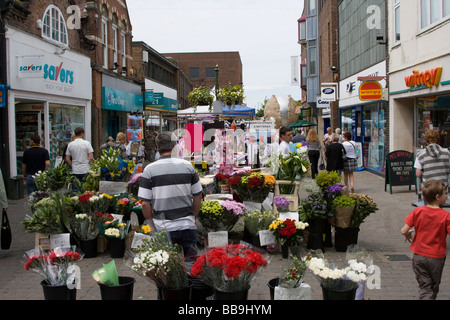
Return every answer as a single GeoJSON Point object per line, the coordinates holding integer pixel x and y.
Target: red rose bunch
{"type": "Point", "coordinates": [84, 197]}
{"type": "Point", "coordinates": [221, 176]}
{"type": "Point", "coordinates": [255, 182]}
{"type": "Point", "coordinates": [288, 229]}
{"type": "Point", "coordinates": [234, 180]}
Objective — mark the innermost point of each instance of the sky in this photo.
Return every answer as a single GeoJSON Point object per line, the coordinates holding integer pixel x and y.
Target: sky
{"type": "Point", "coordinates": [264, 32]}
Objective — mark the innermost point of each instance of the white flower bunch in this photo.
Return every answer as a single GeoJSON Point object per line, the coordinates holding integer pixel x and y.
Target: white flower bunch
{"type": "Point", "coordinates": [113, 232]}
{"type": "Point", "coordinates": [94, 198]}
{"type": "Point", "coordinates": [300, 225]}
{"type": "Point", "coordinates": [358, 271]}
{"type": "Point", "coordinates": [147, 260]}
{"type": "Point", "coordinates": [320, 269]}
{"type": "Point", "coordinates": [81, 216]}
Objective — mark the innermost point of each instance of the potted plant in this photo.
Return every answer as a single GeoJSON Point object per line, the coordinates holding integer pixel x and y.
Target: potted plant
{"type": "Point", "coordinates": [325, 179]}
{"type": "Point", "coordinates": [289, 168]}
{"type": "Point", "coordinates": [201, 96]}
{"type": "Point", "coordinates": [219, 215]}
{"type": "Point", "coordinates": [163, 263]}
{"type": "Point", "coordinates": [229, 270]}
{"type": "Point", "coordinates": [54, 267]}
{"type": "Point", "coordinates": [289, 233]}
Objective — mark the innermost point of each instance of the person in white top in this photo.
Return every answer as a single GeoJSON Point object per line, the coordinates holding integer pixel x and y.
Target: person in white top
{"type": "Point", "coordinates": [350, 163]}
{"type": "Point", "coordinates": [285, 139]}
{"type": "Point", "coordinates": [79, 154]}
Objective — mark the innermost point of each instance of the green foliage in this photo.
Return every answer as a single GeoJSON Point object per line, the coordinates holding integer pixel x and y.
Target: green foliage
{"type": "Point", "coordinates": [343, 202]}
{"type": "Point", "coordinates": [200, 96]}
{"type": "Point", "coordinates": [325, 179]}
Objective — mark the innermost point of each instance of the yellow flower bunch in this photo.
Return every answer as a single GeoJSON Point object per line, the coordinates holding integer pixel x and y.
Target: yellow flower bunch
{"type": "Point", "coordinates": [107, 196]}
{"type": "Point", "coordinates": [146, 229]}
{"type": "Point", "coordinates": [275, 224]}
{"type": "Point", "coordinates": [269, 180]}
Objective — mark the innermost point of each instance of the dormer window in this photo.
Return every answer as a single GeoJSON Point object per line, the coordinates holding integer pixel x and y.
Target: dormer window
{"type": "Point", "coordinates": [54, 26]}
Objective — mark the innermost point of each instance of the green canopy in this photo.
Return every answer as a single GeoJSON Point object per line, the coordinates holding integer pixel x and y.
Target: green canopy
{"type": "Point", "coordinates": [302, 123]}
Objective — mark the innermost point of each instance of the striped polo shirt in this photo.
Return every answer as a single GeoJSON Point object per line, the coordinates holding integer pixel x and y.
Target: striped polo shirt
{"type": "Point", "coordinates": [169, 185]}
{"type": "Point", "coordinates": [435, 163]}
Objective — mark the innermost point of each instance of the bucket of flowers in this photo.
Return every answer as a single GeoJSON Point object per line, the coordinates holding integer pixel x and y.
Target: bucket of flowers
{"type": "Point", "coordinates": [256, 221]}
{"type": "Point", "coordinates": [86, 227]}
{"type": "Point", "coordinates": [314, 209]}
{"type": "Point", "coordinates": [162, 262]}
{"type": "Point", "coordinates": [337, 283]}
{"type": "Point", "coordinates": [229, 270]}
{"type": "Point", "coordinates": [117, 235]}
{"type": "Point", "coordinates": [291, 234]}
{"type": "Point", "coordinates": [252, 186]}
{"type": "Point", "coordinates": [55, 268]}
{"type": "Point", "coordinates": [220, 215]}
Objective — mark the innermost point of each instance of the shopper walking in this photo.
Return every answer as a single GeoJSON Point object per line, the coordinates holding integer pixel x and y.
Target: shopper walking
{"type": "Point", "coordinates": [34, 159]}
{"type": "Point", "coordinates": [334, 154]}
{"type": "Point", "coordinates": [431, 227]}
{"type": "Point", "coordinates": [117, 145]}
{"type": "Point", "coordinates": [350, 162]}
{"type": "Point", "coordinates": [79, 155]}
{"type": "Point", "coordinates": [314, 149]}
{"type": "Point", "coordinates": [299, 137]}
{"type": "Point", "coordinates": [171, 194]}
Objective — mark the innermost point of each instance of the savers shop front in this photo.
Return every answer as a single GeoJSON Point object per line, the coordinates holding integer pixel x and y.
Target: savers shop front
{"type": "Point", "coordinates": [51, 92]}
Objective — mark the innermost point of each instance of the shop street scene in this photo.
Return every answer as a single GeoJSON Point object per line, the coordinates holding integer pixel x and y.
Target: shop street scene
{"type": "Point", "coordinates": [224, 151]}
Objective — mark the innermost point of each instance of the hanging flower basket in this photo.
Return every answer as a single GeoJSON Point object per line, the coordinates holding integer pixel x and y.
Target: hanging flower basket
{"type": "Point", "coordinates": [201, 96]}
{"type": "Point", "coordinates": [231, 95]}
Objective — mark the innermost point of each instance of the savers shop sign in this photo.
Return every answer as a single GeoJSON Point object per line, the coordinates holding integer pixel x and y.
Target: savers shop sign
{"type": "Point", "coordinates": [64, 77]}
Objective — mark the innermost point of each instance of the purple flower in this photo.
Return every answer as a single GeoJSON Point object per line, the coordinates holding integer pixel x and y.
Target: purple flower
{"type": "Point", "coordinates": [237, 207]}
{"type": "Point", "coordinates": [281, 202]}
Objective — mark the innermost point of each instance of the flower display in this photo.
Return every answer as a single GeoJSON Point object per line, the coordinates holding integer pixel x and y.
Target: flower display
{"type": "Point", "coordinates": [86, 225]}
{"type": "Point", "coordinates": [364, 206]}
{"type": "Point", "coordinates": [333, 278]}
{"type": "Point", "coordinates": [110, 167]}
{"type": "Point", "coordinates": [314, 207]}
{"type": "Point", "coordinates": [53, 179]}
{"type": "Point", "coordinates": [160, 261]}
{"type": "Point", "coordinates": [292, 276]}
{"type": "Point", "coordinates": [126, 203]}
{"type": "Point", "coordinates": [282, 203]}
{"type": "Point", "coordinates": [325, 179]}
{"type": "Point", "coordinates": [200, 96]}
{"type": "Point", "coordinates": [256, 220]}
{"type": "Point", "coordinates": [230, 268]}
{"type": "Point", "coordinates": [215, 215]}
{"type": "Point", "coordinates": [289, 232]}
{"type": "Point", "coordinates": [253, 186]}
{"type": "Point", "coordinates": [231, 95]}
{"type": "Point", "coordinates": [119, 232]}
{"type": "Point", "coordinates": [52, 266]}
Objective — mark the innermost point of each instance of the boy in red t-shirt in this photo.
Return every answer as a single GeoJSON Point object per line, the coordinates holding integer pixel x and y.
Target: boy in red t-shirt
{"type": "Point", "coordinates": [431, 226]}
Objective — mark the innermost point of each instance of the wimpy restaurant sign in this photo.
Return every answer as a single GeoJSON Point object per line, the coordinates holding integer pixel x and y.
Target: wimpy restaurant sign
{"type": "Point", "coordinates": [427, 78]}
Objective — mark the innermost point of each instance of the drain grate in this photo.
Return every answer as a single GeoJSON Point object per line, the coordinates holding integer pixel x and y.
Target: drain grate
{"type": "Point", "coordinates": [398, 257]}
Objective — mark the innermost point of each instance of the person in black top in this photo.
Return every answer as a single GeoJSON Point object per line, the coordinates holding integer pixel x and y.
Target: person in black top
{"type": "Point", "coordinates": [334, 154]}
{"type": "Point", "coordinates": [34, 159]}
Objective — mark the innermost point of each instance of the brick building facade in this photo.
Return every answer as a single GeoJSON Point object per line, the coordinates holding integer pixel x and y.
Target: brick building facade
{"type": "Point", "coordinates": [200, 67]}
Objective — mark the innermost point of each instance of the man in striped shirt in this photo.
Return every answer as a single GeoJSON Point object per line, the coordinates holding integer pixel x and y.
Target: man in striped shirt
{"type": "Point", "coordinates": [433, 162]}
{"type": "Point", "coordinates": [171, 194]}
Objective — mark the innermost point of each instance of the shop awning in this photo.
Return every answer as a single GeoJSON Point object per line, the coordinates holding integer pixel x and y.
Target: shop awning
{"type": "Point", "coordinates": [302, 123]}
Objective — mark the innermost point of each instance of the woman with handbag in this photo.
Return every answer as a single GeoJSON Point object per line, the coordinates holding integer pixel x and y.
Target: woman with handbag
{"type": "Point", "coordinates": [350, 163]}
{"type": "Point", "coordinates": [314, 149]}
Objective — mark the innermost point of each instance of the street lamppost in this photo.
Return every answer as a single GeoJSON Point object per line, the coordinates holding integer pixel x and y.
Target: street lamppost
{"type": "Point", "coordinates": [217, 81]}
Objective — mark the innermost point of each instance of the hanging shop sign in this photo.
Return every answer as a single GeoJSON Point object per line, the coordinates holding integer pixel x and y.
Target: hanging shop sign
{"type": "Point", "coordinates": [427, 78]}
{"type": "Point", "coordinates": [370, 91]}
{"type": "Point", "coordinates": [155, 101]}
{"type": "Point", "coordinates": [328, 94]}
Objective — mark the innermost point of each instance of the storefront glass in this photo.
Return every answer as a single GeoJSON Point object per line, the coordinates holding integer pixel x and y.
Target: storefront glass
{"type": "Point", "coordinates": [347, 120]}
{"type": "Point", "coordinates": [373, 142]}
{"type": "Point", "coordinates": [64, 120]}
{"type": "Point", "coordinates": [433, 113]}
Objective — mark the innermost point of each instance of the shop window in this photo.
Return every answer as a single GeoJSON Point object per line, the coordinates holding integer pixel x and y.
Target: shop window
{"type": "Point", "coordinates": [64, 120]}
{"type": "Point", "coordinates": [54, 27]}
{"type": "Point", "coordinates": [433, 114]}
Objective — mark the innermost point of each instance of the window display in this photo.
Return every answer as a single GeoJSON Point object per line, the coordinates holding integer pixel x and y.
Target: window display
{"type": "Point", "coordinates": [433, 113]}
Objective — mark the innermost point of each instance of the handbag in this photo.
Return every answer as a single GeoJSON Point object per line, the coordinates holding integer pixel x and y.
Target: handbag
{"type": "Point", "coordinates": [6, 236]}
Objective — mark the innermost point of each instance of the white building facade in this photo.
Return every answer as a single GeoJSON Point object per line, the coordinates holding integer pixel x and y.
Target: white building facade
{"type": "Point", "coordinates": [419, 72]}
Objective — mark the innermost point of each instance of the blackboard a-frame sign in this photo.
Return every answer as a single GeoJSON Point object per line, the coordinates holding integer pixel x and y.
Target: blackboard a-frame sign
{"type": "Point", "coordinates": [400, 169]}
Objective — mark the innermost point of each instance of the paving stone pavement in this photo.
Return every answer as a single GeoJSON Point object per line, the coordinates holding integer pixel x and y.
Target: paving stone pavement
{"type": "Point", "coordinates": [380, 235]}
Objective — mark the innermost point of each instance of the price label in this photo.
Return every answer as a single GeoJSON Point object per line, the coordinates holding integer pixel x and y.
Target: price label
{"type": "Point", "coordinates": [266, 237]}
{"type": "Point", "coordinates": [60, 240]}
{"type": "Point", "coordinates": [217, 239]}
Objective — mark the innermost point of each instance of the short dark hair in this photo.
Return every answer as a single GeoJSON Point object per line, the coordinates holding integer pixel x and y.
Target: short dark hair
{"type": "Point", "coordinates": [347, 135]}
{"type": "Point", "coordinates": [284, 130]}
{"type": "Point", "coordinates": [36, 139]}
{"type": "Point", "coordinates": [79, 131]}
{"type": "Point", "coordinates": [165, 142]}
{"type": "Point", "coordinates": [431, 189]}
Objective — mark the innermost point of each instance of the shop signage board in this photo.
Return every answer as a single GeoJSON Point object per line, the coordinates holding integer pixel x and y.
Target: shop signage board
{"type": "Point", "coordinates": [400, 169]}
{"type": "Point", "coordinates": [428, 78]}
{"type": "Point", "coordinates": [370, 91]}
{"type": "Point", "coordinates": [156, 101]}
{"type": "Point", "coordinates": [328, 93]}
{"type": "Point", "coordinates": [118, 100]}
